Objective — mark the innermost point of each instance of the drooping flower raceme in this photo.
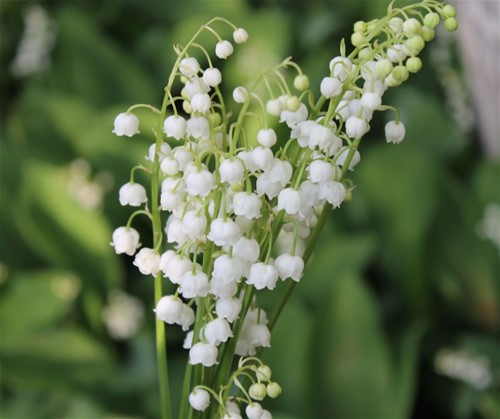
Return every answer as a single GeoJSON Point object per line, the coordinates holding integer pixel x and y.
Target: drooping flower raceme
{"type": "Point", "coordinates": [221, 197]}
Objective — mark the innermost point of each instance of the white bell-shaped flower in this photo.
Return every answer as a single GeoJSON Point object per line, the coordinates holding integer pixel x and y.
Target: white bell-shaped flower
{"type": "Point", "coordinates": [322, 137]}
{"type": "Point", "coordinates": [356, 127]}
{"type": "Point", "coordinates": [223, 49]}
{"type": "Point", "coordinates": [266, 137]}
{"type": "Point", "coordinates": [262, 157]}
{"type": "Point", "coordinates": [176, 267]}
{"type": "Point", "coordinates": [371, 100]}
{"type": "Point", "coordinates": [125, 240]}
{"type": "Point", "coordinates": [175, 126]}
{"type": "Point", "coordinates": [203, 353]}
{"type": "Point", "coordinates": [165, 259]}
{"type": "Point", "coordinates": [201, 102]}
{"type": "Point", "coordinates": [132, 194]}
{"type": "Point", "coordinates": [174, 231]}
{"type": "Point", "coordinates": [320, 171]}
{"type": "Point", "coordinates": [199, 399]}
{"type": "Point", "coordinates": [341, 158]}
{"type": "Point", "coordinates": [394, 132]}
{"type": "Point", "coordinates": [169, 309]}
{"type": "Point", "coordinates": [289, 266]}
{"type": "Point", "coordinates": [333, 192]}
{"type": "Point", "coordinates": [330, 87]}
{"type": "Point", "coordinates": [187, 317]}
{"type": "Point", "coordinates": [220, 288]}
{"type": "Point", "coordinates": [169, 200]}
{"type": "Point", "coordinates": [199, 183]}
{"type": "Point", "coordinates": [212, 76]}
{"type": "Point", "coordinates": [247, 249]}
{"type": "Point", "coordinates": [254, 410]}
{"type": "Point", "coordinates": [259, 335]}
{"type": "Point", "coordinates": [263, 275]}
{"type": "Point", "coordinates": [293, 118]}
{"type": "Point", "coordinates": [194, 224]}
{"type": "Point", "coordinates": [165, 151]}
{"type": "Point", "coordinates": [302, 132]}
{"type": "Point", "coordinates": [198, 127]}
{"type": "Point", "coordinates": [265, 186]}
{"type": "Point", "coordinates": [148, 261]}
{"type": "Point", "coordinates": [274, 107]}
{"type": "Point", "coordinates": [240, 36]}
{"type": "Point", "coordinates": [188, 340]}
{"type": "Point", "coordinates": [126, 124]}
{"type": "Point", "coordinates": [194, 284]}
{"type": "Point", "coordinates": [217, 331]}
{"type": "Point", "coordinates": [231, 171]}
{"type": "Point", "coordinates": [289, 201]}
{"type": "Point", "coordinates": [228, 308]}
{"type": "Point", "coordinates": [247, 204]}
{"type": "Point", "coordinates": [280, 171]}
{"type": "Point", "coordinates": [189, 67]}
{"type": "Point", "coordinates": [309, 193]}
{"type": "Point", "coordinates": [224, 232]}
{"type": "Point", "coordinates": [341, 67]}
{"type": "Point", "coordinates": [227, 268]}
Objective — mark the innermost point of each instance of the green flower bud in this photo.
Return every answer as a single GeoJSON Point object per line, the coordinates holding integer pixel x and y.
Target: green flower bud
{"type": "Point", "coordinates": [257, 391]}
{"type": "Point", "coordinates": [411, 26]}
{"type": "Point", "coordinates": [215, 119]}
{"type": "Point", "coordinates": [400, 73]}
{"type": "Point", "coordinates": [427, 34]}
{"type": "Point", "coordinates": [449, 11]}
{"type": "Point", "coordinates": [263, 373]}
{"type": "Point", "coordinates": [413, 64]}
{"type": "Point", "coordinates": [371, 25]}
{"type": "Point", "coordinates": [360, 26]}
{"type": "Point", "coordinates": [357, 38]}
{"type": "Point", "coordinates": [431, 20]}
{"type": "Point", "coordinates": [364, 53]}
{"type": "Point", "coordinates": [383, 68]}
{"type": "Point", "coordinates": [273, 390]}
{"type": "Point", "coordinates": [301, 82]}
{"type": "Point", "coordinates": [186, 105]}
{"type": "Point", "coordinates": [416, 43]}
{"type": "Point", "coordinates": [391, 81]}
{"type": "Point", "coordinates": [451, 24]}
{"type": "Point", "coordinates": [292, 103]}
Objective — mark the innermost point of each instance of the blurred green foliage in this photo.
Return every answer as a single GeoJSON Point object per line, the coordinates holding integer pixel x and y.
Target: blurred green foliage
{"type": "Point", "coordinates": [399, 313]}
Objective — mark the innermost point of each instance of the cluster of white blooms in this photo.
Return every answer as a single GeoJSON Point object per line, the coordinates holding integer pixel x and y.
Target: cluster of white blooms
{"type": "Point", "coordinates": [227, 201]}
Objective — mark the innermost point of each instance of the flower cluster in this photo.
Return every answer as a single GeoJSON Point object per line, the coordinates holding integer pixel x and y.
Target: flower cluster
{"type": "Point", "coordinates": [229, 193]}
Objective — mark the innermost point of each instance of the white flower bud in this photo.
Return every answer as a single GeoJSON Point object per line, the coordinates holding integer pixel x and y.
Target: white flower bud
{"type": "Point", "coordinates": [224, 233]}
{"type": "Point", "coordinates": [320, 171]}
{"type": "Point", "coordinates": [247, 249]}
{"type": "Point", "coordinates": [204, 354]}
{"type": "Point", "coordinates": [341, 67]}
{"type": "Point", "coordinates": [247, 204]}
{"type": "Point", "coordinates": [165, 151]}
{"type": "Point", "coordinates": [231, 171]}
{"type": "Point", "coordinates": [169, 166]}
{"type": "Point", "coordinates": [323, 137]}
{"type": "Point", "coordinates": [273, 390]}
{"type": "Point", "coordinates": [199, 399]}
{"type": "Point", "coordinates": [266, 137]}
{"type": "Point", "coordinates": [126, 124]}
{"type": "Point", "coordinates": [212, 76]}
{"type": "Point", "coordinates": [187, 317]}
{"type": "Point", "coordinates": [194, 223]}
{"type": "Point", "coordinates": [262, 276]}
{"type": "Point", "coordinates": [201, 103]}
{"type": "Point", "coordinates": [125, 240]}
{"type": "Point", "coordinates": [266, 414]}
{"type": "Point", "coordinates": [356, 127]}
{"type": "Point", "coordinates": [293, 118]}
{"type": "Point", "coordinates": [223, 49]}
{"type": "Point", "coordinates": [262, 157]}
{"type": "Point", "coordinates": [176, 267]}
{"type": "Point", "coordinates": [148, 261]}
{"type": "Point", "coordinates": [289, 201]}
{"type": "Point", "coordinates": [394, 132]}
{"type": "Point", "coordinates": [263, 373]}
{"type": "Point", "coordinates": [301, 82]}
{"type": "Point", "coordinates": [193, 86]}
{"type": "Point", "coordinates": [223, 289]}
{"type": "Point", "coordinates": [274, 107]}
{"type": "Point", "coordinates": [240, 94]}
{"type": "Point", "coordinates": [217, 331]}
{"type": "Point", "coordinates": [330, 87]}
{"type": "Point", "coordinates": [227, 268]}
{"type": "Point", "coordinates": [228, 308]}
{"type": "Point", "coordinates": [198, 127]}
{"type": "Point", "coordinates": [240, 36]}
{"type": "Point", "coordinates": [132, 194]}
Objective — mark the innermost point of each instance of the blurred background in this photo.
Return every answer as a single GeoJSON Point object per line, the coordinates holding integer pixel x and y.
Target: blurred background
{"type": "Point", "coordinates": [398, 315]}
